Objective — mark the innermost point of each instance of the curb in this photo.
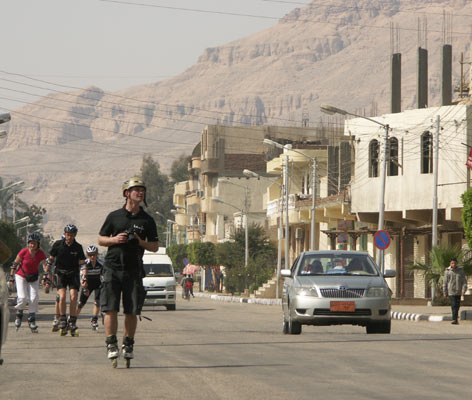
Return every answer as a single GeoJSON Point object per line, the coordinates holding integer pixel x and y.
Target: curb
{"type": "Point", "coordinates": [419, 317]}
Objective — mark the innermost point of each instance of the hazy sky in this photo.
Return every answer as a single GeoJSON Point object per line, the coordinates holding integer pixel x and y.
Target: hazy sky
{"type": "Point", "coordinates": [114, 45]}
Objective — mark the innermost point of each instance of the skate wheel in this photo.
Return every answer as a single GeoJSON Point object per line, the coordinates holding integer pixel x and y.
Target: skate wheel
{"type": "Point", "coordinates": [114, 362]}
{"type": "Point", "coordinates": [34, 331]}
{"type": "Point", "coordinates": [127, 362]}
{"type": "Point", "coordinates": [63, 332]}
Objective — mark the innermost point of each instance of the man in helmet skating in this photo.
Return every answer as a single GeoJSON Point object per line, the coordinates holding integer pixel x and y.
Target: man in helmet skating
{"type": "Point", "coordinates": [69, 259]}
{"type": "Point", "coordinates": [94, 270]}
{"type": "Point", "coordinates": [127, 232]}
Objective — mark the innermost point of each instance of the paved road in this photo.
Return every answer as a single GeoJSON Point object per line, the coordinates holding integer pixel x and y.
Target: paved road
{"type": "Point", "coordinates": [214, 350]}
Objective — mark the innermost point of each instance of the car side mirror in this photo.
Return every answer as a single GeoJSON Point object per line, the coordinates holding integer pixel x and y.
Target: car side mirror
{"type": "Point", "coordinates": [389, 273]}
{"type": "Point", "coordinates": [286, 272]}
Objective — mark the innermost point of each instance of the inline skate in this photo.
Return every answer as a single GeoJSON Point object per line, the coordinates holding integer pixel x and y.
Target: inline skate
{"type": "Point", "coordinates": [18, 319]}
{"type": "Point", "coordinates": [55, 324]}
{"type": "Point", "coordinates": [127, 350]}
{"type": "Point", "coordinates": [72, 323]}
{"type": "Point", "coordinates": [94, 323]}
{"type": "Point", "coordinates": [63, 327]}
{"type": "Point", "coordinates": [113, 352]}
{"type": "Point", "coordinates": [32, 323]}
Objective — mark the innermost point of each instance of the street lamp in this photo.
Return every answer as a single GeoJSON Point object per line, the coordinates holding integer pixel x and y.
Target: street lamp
{"type": "Point", "coordinates": [327, 109]}
{"type": "Point", "coordinates": [5, 118]}
{"type": "Point", "coordinates": [167, 233]}
{"type": "Point", "coordinates": [14, 199]}
{"type": "Point", "coordinates": [251, 174]}
{"type": "Point", "coordinates": [246, 235]}
{"type": "Point", "coordinates": [170, 224]}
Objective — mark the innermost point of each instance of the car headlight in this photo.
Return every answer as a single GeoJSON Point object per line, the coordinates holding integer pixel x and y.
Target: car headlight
{"type": "Point", "coordinates": [307, 291]}
{"type": "Point", "coordinates": [377, 292]}
{"type": "Point", "coordinates": [171, 288]}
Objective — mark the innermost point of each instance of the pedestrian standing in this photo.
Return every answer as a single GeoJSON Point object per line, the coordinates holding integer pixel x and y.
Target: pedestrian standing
{"type": "Point", "coordinates": [127, 232]}
{"type": "Point", "coordinates": [454, 286]}
{"type": "Point", "coordinates": [69, 258]}
{"type": "Point", "coordinates": [25, 270]}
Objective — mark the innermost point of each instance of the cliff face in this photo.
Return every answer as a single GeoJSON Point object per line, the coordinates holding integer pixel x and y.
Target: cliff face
{"type": "Point", "coordinates": [89, 141]}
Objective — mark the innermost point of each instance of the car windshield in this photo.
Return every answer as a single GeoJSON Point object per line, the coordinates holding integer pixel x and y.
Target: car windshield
{"type": "Point", "coordinates": [158, 269]}
{"type": "Point", "coordinates": [336, 264]}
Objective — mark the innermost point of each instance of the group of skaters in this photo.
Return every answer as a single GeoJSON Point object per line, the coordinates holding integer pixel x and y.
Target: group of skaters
{"type": "Point", "coordinates": [127, 233]}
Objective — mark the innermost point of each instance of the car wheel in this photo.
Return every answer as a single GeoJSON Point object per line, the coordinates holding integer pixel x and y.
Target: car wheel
{"type": "Point", "coordinates": [170, 307]}
{"type": "Point", "coordinates": [294, 327]}
{"type": "Point", "coordinates": [379, 327]}
{"type": "Point", "coordinates": [284, 325]}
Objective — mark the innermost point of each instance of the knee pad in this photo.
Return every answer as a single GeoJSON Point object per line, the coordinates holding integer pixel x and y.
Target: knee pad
{"type": "Point", "coordinates": [58, 298]}
{"type": "Point", "coordinates": [80, 304]}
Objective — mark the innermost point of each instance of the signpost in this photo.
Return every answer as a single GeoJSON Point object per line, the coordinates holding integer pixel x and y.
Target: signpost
{"type": "Point", "coordinates": [382, 240]}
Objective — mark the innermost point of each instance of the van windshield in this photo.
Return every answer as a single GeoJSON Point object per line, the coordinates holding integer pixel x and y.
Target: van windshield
{"type": "Point", "coordinates": [158, 269]}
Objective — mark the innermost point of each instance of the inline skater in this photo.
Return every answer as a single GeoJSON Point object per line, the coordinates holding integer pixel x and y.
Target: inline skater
{"type": "Point", "coordinates": [25, 273]}
{"type": "Point", "coordinates": [69, 259]}
{"type": "Point", "coordinates": [94, 270]}
{"type": "Point", "coordinates": [127, 232]}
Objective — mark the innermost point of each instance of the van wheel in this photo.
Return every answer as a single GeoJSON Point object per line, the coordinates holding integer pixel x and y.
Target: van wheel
{"type": "Point", "coordinates": [170, 307]}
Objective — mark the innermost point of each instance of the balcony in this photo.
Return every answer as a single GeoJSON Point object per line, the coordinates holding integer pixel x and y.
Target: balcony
{"type": "Point", "coordinates": [210, 166]}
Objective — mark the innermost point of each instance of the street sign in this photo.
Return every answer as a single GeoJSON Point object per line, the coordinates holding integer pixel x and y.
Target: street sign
{"type": "Point", "coordinates": [185, 260]}
{"type": "Point", "coordinates": [382, 240]}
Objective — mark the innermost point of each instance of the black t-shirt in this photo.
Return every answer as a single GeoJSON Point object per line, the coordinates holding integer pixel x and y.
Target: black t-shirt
{"type": "Point", "coordinates": [67, 257]}
{"type": "Point", "coordinates": [128, 255]}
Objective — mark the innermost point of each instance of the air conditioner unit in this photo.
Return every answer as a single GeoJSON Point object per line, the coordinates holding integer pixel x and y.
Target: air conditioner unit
{"type": "Point", "coordinates": [299, 233]}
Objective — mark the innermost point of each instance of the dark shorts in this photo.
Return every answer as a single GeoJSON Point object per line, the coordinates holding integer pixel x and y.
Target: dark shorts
{"type": "Point", "coordinates": [117, 284]}
{"type": "Point", "coordinates": [69, 279]}
{"type": "Point", "coordinates": [93, 285]}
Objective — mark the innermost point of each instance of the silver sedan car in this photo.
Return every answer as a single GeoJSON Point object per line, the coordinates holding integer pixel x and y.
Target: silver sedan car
{"type": "Point", "coordinates": [335, 287]}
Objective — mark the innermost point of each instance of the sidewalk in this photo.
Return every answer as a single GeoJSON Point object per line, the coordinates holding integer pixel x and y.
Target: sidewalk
{"type": "Point", "coordinates": [399, 312]}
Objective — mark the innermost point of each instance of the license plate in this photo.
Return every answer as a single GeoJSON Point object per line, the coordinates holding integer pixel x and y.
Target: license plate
{"type": "Point", "coordinates": [344, 306]}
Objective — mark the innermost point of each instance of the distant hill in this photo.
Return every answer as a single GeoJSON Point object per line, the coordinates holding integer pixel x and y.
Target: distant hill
{"type": "Point", "coordinates": [78, 146]}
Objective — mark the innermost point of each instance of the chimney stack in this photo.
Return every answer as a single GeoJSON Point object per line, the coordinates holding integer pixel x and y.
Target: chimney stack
{"type": "Point", "coordinates": [422, 79]}
{"type": "Point", "coordinates": [396, 83]}
{"type": "Point", "coordinates": [446, 75]}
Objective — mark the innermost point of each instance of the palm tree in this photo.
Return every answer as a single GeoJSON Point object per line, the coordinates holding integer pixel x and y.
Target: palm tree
{"type": "Point", "coordinates": [440, 257]}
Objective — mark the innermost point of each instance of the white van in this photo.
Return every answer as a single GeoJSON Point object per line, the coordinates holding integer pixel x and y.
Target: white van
{"type": "Point", "coordinates": [159, 282]}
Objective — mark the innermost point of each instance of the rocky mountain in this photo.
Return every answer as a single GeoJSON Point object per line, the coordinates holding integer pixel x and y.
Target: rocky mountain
{"type": "Point", "coordinates": [77, 146]}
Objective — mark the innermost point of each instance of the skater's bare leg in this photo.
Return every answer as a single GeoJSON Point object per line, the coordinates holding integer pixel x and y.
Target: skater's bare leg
{"type": "Point", "coordinates": [62, 301]}
{"type": "Point", "coordinates": [131, 321]}
{"type": "Point", "coordinates": [111, 322]}
{"type": "Point", "coordinates": [73, 302]}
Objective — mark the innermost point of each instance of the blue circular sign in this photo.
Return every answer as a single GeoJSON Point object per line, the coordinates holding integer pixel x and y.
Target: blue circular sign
{"type": "Point", "coordinates": [185, 260]}
{"type": "Point", "coordinates": [382, 240]}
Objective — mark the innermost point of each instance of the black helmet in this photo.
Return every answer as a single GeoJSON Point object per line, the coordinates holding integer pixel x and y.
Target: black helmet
{"type": "Point", "coordinates": [70, 228]}
{"type": "Point", "coordinates": [92, 250]}
{"type": "Point", "coordinates": [34, 237]}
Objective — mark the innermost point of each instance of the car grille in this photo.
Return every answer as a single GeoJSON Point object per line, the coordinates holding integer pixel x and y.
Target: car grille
{"type": "Point", "coordinates": [155, 288]}
{"type": "Point", "coordinates": [328, 312]}
{"type": "Point", "coordinates": [342, 294]}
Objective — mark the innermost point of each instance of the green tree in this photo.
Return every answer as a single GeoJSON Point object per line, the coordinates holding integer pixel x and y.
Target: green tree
{"type": "Point", "coordinates": [202, 253]}
{"type": "Point", "coordinates": [177, 253]}
{"type": "Point", "coordinates": [262, 254]}
{"type": "Point", "coordinates": [467, 216]}
{"type": "Point", "coordinates": [440, 257]}
{"type": "Point", "coordinates": [179, 169]}
{"type": "Point", "coordinates": [9, 238]}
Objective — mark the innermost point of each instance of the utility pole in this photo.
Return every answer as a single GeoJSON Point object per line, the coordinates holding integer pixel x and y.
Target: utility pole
{"type": "Point", "coordinates": [380, 259]}
{"type": "Point", "coordinates": [286, 213]}
{"type": "Point", "coordinates": [313, 207]}
{"type": "Point", "coordinates": [435, 197]}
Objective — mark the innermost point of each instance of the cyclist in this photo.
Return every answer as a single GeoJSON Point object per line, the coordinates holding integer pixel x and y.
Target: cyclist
{"type": "Point", "coordinates": [25, 273]}
{"type": "Point", "coordinates": [127, 232]}
{"type": "Point", "coordinates": [69, 258]}
{"type": "Point", "coordinates": [94, 270]}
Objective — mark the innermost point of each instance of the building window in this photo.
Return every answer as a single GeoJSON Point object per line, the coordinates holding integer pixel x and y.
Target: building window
{"type": "Point", "coordinates": [392, 157]}
{"type": "Point", "coordinates": [426, 153]}
{"type": "Point", "coordinates": [374, 159]}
